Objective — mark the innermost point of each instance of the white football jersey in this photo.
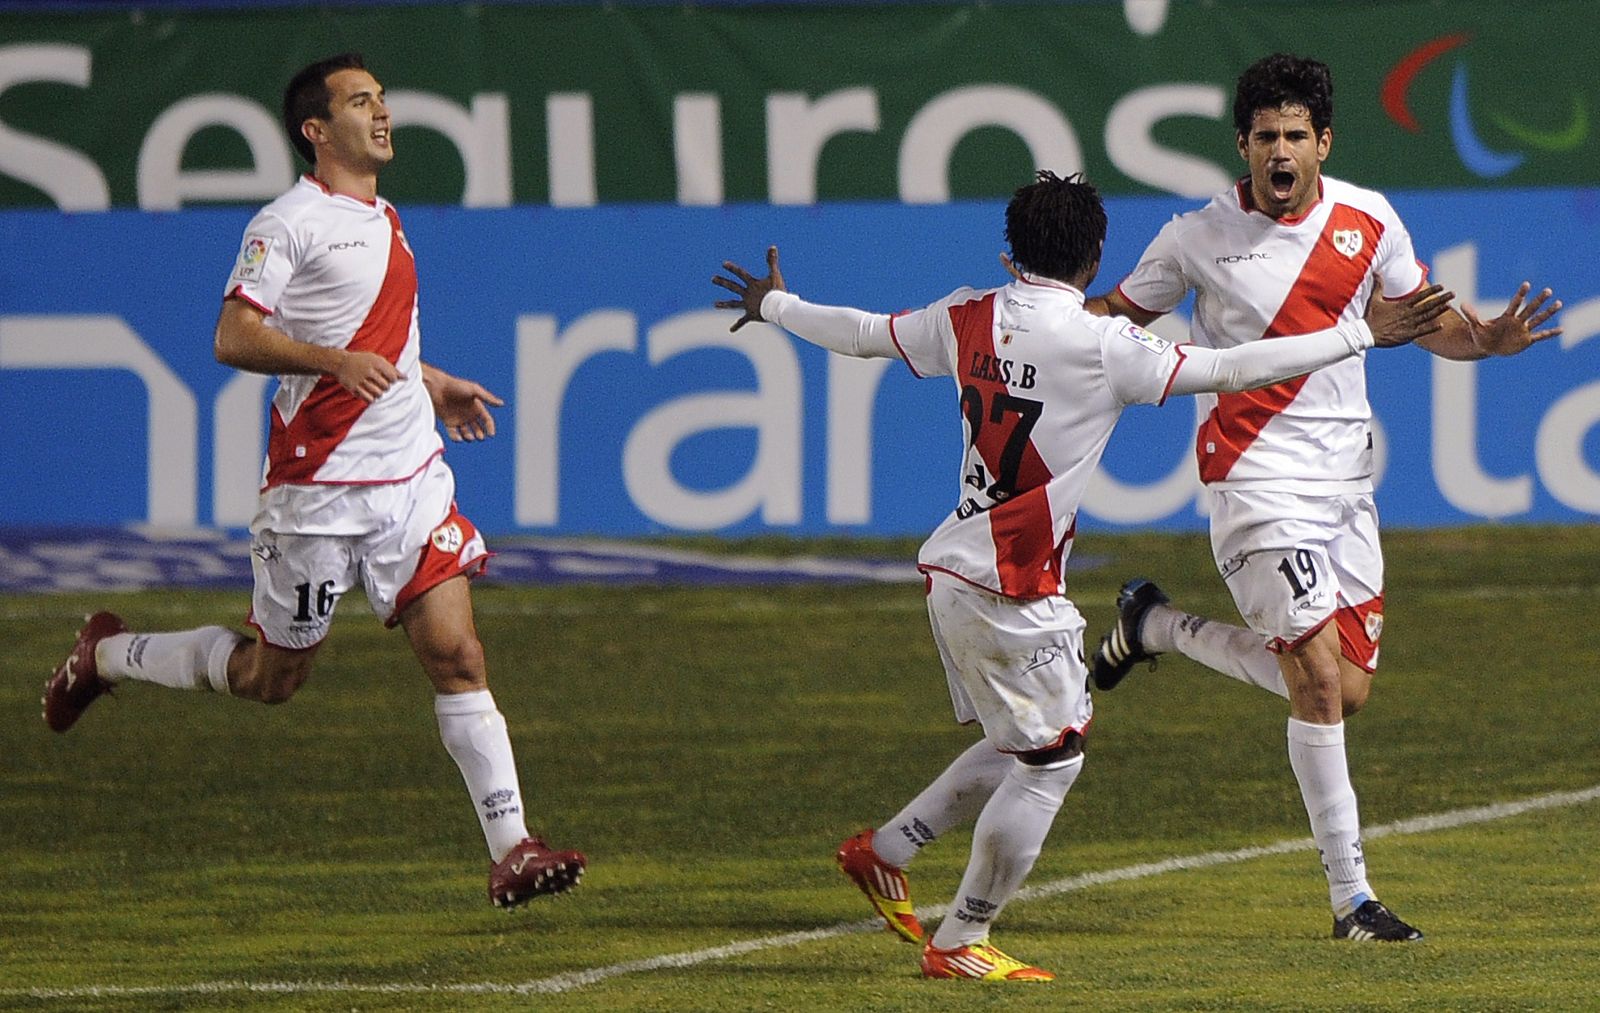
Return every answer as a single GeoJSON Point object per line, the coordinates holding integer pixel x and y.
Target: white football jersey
{"type": "Point", "coordinates": [1042, 383]}
{"type": "Point", "coordinates": [332, 270]}
{"type": "Point", "coordinates": [1259, 277]}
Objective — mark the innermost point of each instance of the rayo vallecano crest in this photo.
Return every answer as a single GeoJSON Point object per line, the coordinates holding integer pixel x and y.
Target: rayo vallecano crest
{"type": "Point", "coordinates": [1374, 625]}
{"type": "Point", "coordinates": [1348, 241]}
{"type": "Point", "coordinates": [447, 537]}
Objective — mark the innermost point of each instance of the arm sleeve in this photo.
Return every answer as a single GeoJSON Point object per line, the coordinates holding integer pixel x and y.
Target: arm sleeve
{"type": "Point", "coordinates": [837, 328]}
{"type": "Point", "coordinates": [1262, 363]}
{"type": "Point", "coordinates": [917, 336]}
{"type": "Point", "coordinates": [266, 260]}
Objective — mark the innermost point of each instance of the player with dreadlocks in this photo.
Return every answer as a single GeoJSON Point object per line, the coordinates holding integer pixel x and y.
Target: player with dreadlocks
{"type": "Point", "coordinates": [1041, 384]}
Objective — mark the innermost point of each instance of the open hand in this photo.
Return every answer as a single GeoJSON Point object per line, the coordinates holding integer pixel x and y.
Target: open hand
{"type": "Point", "coordinates": [463, 408]}
{"type": "Point", "coordinates": [1406, 320]}
{"type": "Point", "coordinates": [751, 291]}
{"type": "Point", "coordinates": [1513, 330]}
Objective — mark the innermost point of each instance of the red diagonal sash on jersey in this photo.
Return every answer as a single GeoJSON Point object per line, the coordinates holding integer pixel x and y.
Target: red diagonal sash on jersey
{"type": "Point", "coordinates": [296, 450]}
{"type": "Point", "coordinates": [1327, 282]}
{"type": "Point", "coordinates": [1026, 555]}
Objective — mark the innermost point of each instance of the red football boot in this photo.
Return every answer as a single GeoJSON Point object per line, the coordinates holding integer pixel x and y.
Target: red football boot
{"type": "Point", "coordinates": [982, 961]}
{"type": "Point", "coordinates": [884, 885]}
{"type": "Point", "coordinates": [531, 869]}
{"type": "Point", "coordinates": [77, 683]}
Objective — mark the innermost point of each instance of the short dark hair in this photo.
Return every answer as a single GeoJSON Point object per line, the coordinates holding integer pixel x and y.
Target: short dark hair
{"type": "Point", "coordinates": [307, 98]}
{"type": "Point", "coordinates": [1056, 226]}
{"type": "Point", "coordinates": [1275, 81]}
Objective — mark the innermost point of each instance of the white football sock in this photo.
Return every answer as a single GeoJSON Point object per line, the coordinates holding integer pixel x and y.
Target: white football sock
{"type": "Point", "coordinates": [1232, 650]}
{"type": "Point", "coordinates": [191, 659]}
{"type": "Point", "coordinates": [1010, 832]}
{"type": "Point", "coordinates": [474, 732]}
{"type": "Point", "coordinates": [1316, 752]}
{"type": "Point", "coordinates": [955, 797]}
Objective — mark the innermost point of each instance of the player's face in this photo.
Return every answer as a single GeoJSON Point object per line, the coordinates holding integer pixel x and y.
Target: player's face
{"type": "Point", "coordinates": [1285, 154]}
{"type": "Point", "coordinates": [357, 126]}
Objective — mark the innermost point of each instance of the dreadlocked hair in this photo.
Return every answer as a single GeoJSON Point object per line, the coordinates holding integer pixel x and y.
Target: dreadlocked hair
{"type": "Point", "coordinates": [1055, 226]}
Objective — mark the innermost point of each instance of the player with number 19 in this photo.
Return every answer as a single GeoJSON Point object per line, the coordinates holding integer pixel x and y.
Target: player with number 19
{"type": "Point", "coordinates": [1040, 384]}
{"type": "Point", "coordinates": [1289, 470]}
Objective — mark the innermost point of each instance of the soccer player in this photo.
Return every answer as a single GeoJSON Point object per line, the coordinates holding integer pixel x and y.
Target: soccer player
{"type": "Point", "coordinates": [355, 488]}
{"type": "Point", "coordinates": [1289, 468]}
{"type": "Point", "coordinates": [1041, 384]}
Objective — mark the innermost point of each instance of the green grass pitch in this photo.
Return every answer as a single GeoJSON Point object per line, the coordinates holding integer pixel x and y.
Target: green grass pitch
{"type": "Point", "coordinates": [709, 748]}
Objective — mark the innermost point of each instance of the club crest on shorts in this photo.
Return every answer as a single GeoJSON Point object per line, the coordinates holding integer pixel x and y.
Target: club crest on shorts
{"type": "Point", "coordinates": [447, 537]}
{"type": "Point", "coordinates": [1374, 625]}
{"type": "Point", "coordinates": [1348, 241]}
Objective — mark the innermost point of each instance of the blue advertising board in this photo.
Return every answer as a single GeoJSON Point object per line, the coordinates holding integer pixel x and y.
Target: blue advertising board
{"type": "Point", "coordinates": [632, 410]}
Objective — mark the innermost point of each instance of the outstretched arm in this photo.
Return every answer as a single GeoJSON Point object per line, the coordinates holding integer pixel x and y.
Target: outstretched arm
{"type": "Point", "coordinates": [1262, 363]}
{"type": "Point", "coordinates": [837, 328]}
{"type": "Point", "coordinates": [1465, 337]}
{"type": "Point", "coordinates": [463, 406]}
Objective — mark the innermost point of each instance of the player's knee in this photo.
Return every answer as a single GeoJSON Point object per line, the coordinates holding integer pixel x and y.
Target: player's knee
{"type": "Point", "coordinates": [274, 678]}
{"type": "Point", "coordinates": [1070, 748]}
{"type": "Point", "coordinates": [281, 685]}
{"type": "Point", "coordinates": [1316, 669]}
{"type": "Point", "coordinates": [277, 692]}
{"type": "Point", "coordinates": [459, 662]}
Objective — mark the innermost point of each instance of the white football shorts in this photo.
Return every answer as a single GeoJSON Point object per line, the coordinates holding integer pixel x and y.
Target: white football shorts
{"type": "Point", "coordinates": [1293, 562]}
{"type": "Point", "coordinates": [416, 540]}
{"type": "Point", "coordinates": [1016, 666]}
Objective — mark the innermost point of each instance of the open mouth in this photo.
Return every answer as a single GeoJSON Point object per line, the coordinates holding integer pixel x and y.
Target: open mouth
{"type": "Point", "coordinates": [1282, 183]}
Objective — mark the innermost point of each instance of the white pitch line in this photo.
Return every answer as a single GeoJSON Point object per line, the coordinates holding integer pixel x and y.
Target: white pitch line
{"type": "Point", "coordinates": [572, 980]}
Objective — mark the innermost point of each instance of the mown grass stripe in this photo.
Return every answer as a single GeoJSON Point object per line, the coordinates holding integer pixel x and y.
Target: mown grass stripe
{"type": "Point", "coordinates": [572, 980]}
